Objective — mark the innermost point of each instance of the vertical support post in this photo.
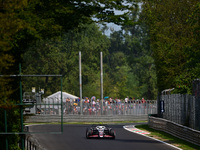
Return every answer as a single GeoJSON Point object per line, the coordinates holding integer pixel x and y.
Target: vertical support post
{"type": "Point", "coordinates": [45, 108]}
{"type": "Point", "coordinates": [21, 109]}
{"type": "Point", "coordinates": [36, 102]}
{"type": "Point", "coordinates": [61, 107]}
{"type": "Point", "coordinates": [80, 81]}
{"type": "Point", "coordinates": [6, 130]}
{"type": "Point", "coordinates": [101, 66]}
{"type": "Point", "coordinates": [53, 105]}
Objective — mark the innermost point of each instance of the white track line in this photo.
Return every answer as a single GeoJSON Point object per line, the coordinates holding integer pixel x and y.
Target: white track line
{"type": "Point", "coordinates": [131, 127]}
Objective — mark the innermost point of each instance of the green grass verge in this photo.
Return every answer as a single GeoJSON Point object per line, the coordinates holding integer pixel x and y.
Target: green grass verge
{"type": "Point", "coordinates": [163, 136]}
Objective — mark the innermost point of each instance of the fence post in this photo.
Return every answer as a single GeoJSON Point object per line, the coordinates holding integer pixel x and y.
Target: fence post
{"type": "Point", "coordinates": [159, 98]}
{"type": "Point", "coordinates": [21, 109]}
{"type": "Point", "coordinates": [101, 76]}
{"type": "Point", "coordinates": [196, 93]}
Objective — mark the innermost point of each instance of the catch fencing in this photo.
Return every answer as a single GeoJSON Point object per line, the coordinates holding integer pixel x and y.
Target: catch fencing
{"type": "Point", "coordinates": [136, 107]}
{"type": "Point", "coordinates": [181, 109]}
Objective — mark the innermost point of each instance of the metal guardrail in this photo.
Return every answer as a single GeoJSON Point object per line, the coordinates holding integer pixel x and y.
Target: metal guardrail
{"type": "Point", "coordinates": [180, 131]}
{"type": "Point", "coordinates": [84, 118]}
{"type": "Point", "coordinates": [32, 144]}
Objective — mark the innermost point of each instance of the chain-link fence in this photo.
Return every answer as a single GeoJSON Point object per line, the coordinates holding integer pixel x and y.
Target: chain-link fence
{"type": "Point", "coordinates": [72, 107]}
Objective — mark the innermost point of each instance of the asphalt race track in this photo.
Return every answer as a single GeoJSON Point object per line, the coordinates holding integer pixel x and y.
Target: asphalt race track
{"type": "Point", "coordinates": [73, 138]}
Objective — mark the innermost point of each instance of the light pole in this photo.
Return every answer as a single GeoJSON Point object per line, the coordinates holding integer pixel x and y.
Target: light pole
{"type": "Point", "coordinates": [101, 66]}
{"type": "Point", "coordinates": [80, 80]}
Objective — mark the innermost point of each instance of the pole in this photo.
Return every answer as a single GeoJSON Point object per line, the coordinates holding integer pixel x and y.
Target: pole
{"type": "Point", "coordinates": [21, 109]}
{"type": "Point", "coordinates": [80, 80]}
{"type": "Point", "coordinates": [5, 115]}
{"type": "Point", "coordinates": [61, 107]}
{"type": "Point", "coordinates": [101, 66]}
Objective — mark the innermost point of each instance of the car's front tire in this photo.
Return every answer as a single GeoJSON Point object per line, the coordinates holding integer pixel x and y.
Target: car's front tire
{"type": "Point", "coordinates": [88, 133]}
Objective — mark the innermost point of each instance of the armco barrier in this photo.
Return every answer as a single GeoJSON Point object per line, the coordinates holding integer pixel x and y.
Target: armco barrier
{"type": "Point", "coordinates": [32, 144]}
{"type": "Point", "coordinates": [83, 118]}
{"type": "Point", "coordinates": [175, 129]}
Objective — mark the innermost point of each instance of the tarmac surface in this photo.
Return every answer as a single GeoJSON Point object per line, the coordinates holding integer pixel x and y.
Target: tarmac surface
{"type": "Point", "coordinates": [73, 138]}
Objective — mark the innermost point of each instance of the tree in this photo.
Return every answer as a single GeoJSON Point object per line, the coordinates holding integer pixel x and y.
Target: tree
{"type": "Point", "coordinates": [172, 41]}
{"type": "Point", "coordinates": [61, 55]}
{"type": "Point", "coordinates": [23, 22]}
{"type": "Point", "coordinates": [116, 74]}
{"type": "Point", "coordinates": [133, 45]}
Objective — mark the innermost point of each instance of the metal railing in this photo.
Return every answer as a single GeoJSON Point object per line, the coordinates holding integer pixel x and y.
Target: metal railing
{"type": "Point", "coordinates": [136, 107]}
{"type": "Point", "coordinates": [175, 129]}
{"type": "Point", "coordinates": [31, 143]}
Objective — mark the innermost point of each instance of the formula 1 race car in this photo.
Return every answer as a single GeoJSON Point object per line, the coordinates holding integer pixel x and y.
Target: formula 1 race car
{"type": "Point", "coordinates": [100, 131]}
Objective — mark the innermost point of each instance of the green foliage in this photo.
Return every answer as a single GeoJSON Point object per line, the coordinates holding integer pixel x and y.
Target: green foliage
{"type": "Point", "coordinates": [128, 70]}
{"type": "Point", "coordinates": [130, 50]}
{"type": "Point", "coordinates": [90, 42]}
{"type": "Point", "coordinates": [131, 64]}
{"type": "Point", "coordinates": [24, 23]}
{"type": "Point", "coordinates": [60, 56]}
{"type": "Point", "coordinates": [172, 28]}
{"type": "Point", "coordinates": [117, 70]}
{"type": "Point", "coordinates": [12, 126]}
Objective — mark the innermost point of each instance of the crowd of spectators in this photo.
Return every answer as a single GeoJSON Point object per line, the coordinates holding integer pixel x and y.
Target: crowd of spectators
{"type": "Point", "coordinates": [93, 105]}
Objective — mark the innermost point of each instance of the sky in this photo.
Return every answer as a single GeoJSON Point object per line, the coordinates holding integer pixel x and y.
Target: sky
{"type": "Point", "coordinates": [112, 26]}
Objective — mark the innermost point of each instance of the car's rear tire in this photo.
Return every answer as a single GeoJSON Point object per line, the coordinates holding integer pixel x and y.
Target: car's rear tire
{"type": "Point", "coordinates": [112, 133]}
